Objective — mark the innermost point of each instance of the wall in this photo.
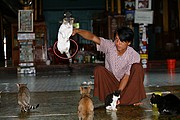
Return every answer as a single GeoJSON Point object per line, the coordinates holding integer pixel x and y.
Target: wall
{"type": "Point", "coordinates": [74, 4]}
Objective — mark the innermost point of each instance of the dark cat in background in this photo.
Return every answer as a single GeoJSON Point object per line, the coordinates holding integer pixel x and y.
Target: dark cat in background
{"type": "Point", "coordinates": [167, 105]}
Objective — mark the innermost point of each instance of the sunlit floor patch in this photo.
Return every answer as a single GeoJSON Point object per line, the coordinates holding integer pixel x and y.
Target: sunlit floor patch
{"type": "Point", "coordinates": [12, 116]}
{"type": "Point", "coordinates": [165, 92]}
{"type": "Point", "coordinates": [148, 110]}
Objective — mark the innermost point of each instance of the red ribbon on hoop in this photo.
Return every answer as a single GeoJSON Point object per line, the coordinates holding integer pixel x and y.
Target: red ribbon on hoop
{"type": "Point", "coordinates": [54, 47]}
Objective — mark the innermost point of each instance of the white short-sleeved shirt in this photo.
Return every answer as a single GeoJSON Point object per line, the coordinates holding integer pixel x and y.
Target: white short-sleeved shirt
{"type": "Point", "coordinates": [118, 65]}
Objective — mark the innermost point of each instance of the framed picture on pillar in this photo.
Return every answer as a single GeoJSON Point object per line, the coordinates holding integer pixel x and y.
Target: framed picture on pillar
{"type": "Point", "coordinates": [129, 4]}
{"type": "Point", "coordinates": [25, 21]}
{"type": "Point", "coordinates": [129, 15]}
{"type": "Point", "coordinates": [143, 4]}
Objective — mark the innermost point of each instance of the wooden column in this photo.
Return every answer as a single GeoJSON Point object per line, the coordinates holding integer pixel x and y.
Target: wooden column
{"type": "Point", "coordinates": [107, 5]}
{"type": "Point", "coordinates": [165, 16]}
{"type": "Point", "coordinates": [112, 6]}
{"type": "Point", "coordinates": [119, 6]}
{"type": "Point", "coordinates": [35, 10]}
{"type": "Point", "coordinates": [40, 8]}
{"type": "Point", "coordinates": [179, 11]}
{"type": "Point", "coordinates": [1, 39]}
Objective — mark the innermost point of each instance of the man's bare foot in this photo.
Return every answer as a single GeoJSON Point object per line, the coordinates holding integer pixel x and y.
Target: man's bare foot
{"type": "Point", "coordinates": [137, 104]}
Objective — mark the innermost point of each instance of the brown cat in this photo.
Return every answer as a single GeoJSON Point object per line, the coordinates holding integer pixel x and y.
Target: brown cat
{"type": "Point", "coordinates": [24, 98]}
{"type": "Point", "coordinates": [86, 107]}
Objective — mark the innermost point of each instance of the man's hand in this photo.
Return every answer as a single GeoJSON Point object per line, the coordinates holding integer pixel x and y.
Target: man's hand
{"type": "Point", "coordinates": [75, 31]}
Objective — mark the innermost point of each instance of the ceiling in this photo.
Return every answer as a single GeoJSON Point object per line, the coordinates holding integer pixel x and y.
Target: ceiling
{"type": "Point", "coordinates": [9, 10]}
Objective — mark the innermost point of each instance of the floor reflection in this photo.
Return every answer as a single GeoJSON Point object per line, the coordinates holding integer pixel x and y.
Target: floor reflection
{"type": "Point", "coordinates": [58, 96]}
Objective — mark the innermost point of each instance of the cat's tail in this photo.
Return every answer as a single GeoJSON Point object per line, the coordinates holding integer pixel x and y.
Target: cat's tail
{"type": "Point", "coordinates": [34, 107]}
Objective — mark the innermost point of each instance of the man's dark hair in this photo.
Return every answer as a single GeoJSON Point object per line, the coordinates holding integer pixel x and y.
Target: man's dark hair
{"type": "Point", "coordinates": [125, 34]}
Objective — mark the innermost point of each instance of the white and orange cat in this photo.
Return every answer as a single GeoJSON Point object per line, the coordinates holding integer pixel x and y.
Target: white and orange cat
{"type": "Point", "coordinates": [86, 107]}
{"type": "Point", "coordinates": [24, 98]}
